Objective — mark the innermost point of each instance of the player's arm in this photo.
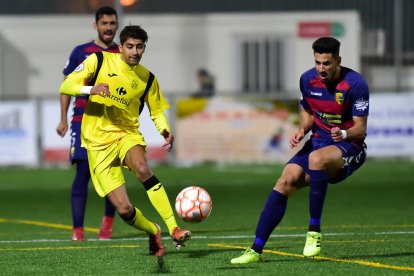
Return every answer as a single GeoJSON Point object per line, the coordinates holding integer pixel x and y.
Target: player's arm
{"type": "Point", "coordinates": [74, 84]}
{"type": "Point", "coordinates": [62, 127]}
{"type": "Point", "coordinates": [306, 124]}
{"type": "Point", "coordinates": [161, 123]}
{"type": "Point", "coordinates": [355, 133]}
{"type": "Point", "coordinates": [157, 104]}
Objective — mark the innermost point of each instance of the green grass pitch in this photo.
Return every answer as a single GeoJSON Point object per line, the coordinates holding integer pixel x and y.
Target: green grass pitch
{"type": "Point", "coordinates": [368, 225]}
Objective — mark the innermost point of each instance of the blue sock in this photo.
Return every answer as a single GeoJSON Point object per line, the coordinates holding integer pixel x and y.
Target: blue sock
{"type": "Point", "coordinates": [79, 192]}
{"type": "Point", "coordinates": [109, 208]}
{"type": "Point", "coordinates": [272, 214]}
{"type": "Point", "coordinates": [317, 193]}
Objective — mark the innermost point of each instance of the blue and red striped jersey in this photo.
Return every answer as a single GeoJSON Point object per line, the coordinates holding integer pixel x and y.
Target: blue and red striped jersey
{"type": "Point", "coordinates": [334, 103]}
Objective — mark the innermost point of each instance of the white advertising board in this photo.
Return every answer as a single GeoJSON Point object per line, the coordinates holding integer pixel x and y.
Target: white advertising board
{"type": "Point", "coordinates": [391, 125]}
{"type": "Point", "coordinates": [18, 133]}
{"type": "Point", "coordinates": [54, 147]}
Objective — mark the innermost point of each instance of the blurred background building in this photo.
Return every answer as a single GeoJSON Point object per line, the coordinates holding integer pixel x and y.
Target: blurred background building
{"type": "Point", "coordinates": [387, 39]}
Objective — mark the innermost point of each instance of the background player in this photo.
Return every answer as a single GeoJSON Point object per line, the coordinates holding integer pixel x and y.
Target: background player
{"type": "Point", "coordinates": [106, 24]}
{"type": "Point", "coordinates": [110, 129]}
{"type": "Point", "coordinates": [335, 102]}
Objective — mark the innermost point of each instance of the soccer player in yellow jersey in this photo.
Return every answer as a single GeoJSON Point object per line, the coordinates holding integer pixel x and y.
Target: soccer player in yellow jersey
{"type": "Point", "coordinates": [118, 88]}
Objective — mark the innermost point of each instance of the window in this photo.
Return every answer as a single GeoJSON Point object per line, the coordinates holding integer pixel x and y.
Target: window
{"type": "Point", "coordinates": [262, 62]}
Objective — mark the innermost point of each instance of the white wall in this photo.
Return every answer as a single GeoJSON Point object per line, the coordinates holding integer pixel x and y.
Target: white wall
{"type": "Point", "coordinates": [34, 49]}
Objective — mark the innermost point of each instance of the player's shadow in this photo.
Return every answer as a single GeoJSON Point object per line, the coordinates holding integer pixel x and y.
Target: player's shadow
{"type": "Point", "coordinates": [161, 267]}
{"type": "Point", "coordinates": [254, 265]}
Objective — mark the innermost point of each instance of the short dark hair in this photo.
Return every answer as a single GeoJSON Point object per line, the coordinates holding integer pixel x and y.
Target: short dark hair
{"type": "Point", "coordinates": [326, 45]}
{"type": "Point", "coordinates": [104, 11]}
{"type": "Point", "coordinates": [133, 31]}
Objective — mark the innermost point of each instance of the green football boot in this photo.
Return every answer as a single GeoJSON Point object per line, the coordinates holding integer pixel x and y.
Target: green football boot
{"type": "Point", "coordinates": [313, 244]}
{"type": "Point", "coordinates": [249, 256]}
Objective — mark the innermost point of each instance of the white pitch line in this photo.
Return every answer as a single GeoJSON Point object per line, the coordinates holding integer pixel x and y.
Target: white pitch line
{"type": "Point", "coordinates": [228, 237]}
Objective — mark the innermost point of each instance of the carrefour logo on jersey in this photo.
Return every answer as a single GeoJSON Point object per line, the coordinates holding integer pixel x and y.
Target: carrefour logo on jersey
{"type": "Point", "coordinates": [121, 92]}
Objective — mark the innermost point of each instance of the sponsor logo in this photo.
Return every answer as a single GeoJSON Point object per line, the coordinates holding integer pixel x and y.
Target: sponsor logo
{"type": "Point", "coordinates": [121, 91]}
{"type": "Point", "coordinates": [112, 75]}
{"type": "Point", "coordinates": [361, 104]}
{"type": "Point", "coordinates": [313, 93]}
{"type": "Point", "coordinates": [119, 100]}
{"type": "Point", "coordinates": [329, 118]}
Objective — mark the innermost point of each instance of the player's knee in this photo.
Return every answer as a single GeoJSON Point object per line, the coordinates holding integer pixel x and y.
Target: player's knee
{"type": "Point", "coordinates": [142, 171]}
{"type": "Point", "coordinates": [125, 211]}
{"type": "Point", "coordinates": [285, 186]}
{"type": "Point", "coordinates": [317, 161]}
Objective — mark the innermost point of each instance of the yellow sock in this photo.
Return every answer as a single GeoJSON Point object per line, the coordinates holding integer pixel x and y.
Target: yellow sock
{"type": "Point", "coordinates": [142, 223]}
{"type": "Point", "coordinates": [161, 203]}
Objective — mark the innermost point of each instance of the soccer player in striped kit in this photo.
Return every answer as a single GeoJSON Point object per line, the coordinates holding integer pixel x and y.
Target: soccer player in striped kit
{"type": "Point", "coordinates": [106, 24]}
{"type": "Point", "coordinates": [335, 101]}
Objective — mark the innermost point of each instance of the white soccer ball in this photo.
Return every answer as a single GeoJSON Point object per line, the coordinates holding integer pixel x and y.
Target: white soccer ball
{"type": "Point", "coordinates": [193, 204]}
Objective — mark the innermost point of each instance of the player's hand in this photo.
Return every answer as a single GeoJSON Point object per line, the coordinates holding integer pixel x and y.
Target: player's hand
{"type": "Point", "coordinates": [169, 140]}
{"type": "Point", "coordinates": [296, 138]}
{"type": "Point", "coordinates": [62, 128]}
{"type": "Point", "coordinates": [101, 89]}
{"type": "Point", "coordinates": [336, 134]}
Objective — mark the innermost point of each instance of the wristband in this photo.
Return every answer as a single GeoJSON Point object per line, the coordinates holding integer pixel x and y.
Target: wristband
{"type": "Point", "coordinates": [86, 90]}
{"type": "Point", "coordinates": [344, 134]}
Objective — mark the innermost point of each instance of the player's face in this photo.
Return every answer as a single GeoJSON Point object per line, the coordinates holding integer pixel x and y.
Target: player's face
{"type": "Point", "coordinates": [327, 66]}
{"type": "Point", "coordinates": [132, 51]}
{"type": "Point", "coordinates": [106, 28]}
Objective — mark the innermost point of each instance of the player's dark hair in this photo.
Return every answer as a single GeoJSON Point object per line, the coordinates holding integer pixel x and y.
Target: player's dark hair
{"type": "Point", "coordinates": [133, 31]}
{"type": "Point", "coordinates": [326, 45]}
{"type": "Point", "coordinates": [105, 11]}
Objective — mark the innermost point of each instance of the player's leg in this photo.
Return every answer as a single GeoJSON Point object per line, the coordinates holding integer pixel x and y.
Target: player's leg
{"type": "Point", "coordinates": [323, 164]}
{"type": "Point", "coordinates": [108, 179]}
{"type": "Point", "coordinates": [79, 195]}
{"type": "Point", "coordinates": [134, 217]}
{"type": "Point", "coordinates": [292, 179]}
{"type": "Point", "coordinates": [136, 161]}
{"type": "Point", "coordinates": [339, 161]}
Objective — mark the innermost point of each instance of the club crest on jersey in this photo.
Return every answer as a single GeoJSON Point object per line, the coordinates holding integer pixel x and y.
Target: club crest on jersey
{"type": "Point", "coordinates": [339, 96]}
{"type": "Point", "coordinates": [79, 68]}
{"type": "Point", "coordinates": [134, 84]}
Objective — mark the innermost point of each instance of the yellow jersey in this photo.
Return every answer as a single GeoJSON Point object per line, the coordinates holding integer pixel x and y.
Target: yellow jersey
{"type": "Point", "coordinates": [108, 119]}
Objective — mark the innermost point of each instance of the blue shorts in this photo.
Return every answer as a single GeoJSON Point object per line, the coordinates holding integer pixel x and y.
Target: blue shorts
{"type": "Point", "coordinates": [76, 151]}
{"type": "Point", "coordinates": [353, 154]}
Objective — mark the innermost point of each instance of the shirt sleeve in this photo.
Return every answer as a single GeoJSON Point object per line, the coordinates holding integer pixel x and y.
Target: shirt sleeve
{"type": "Point", "coordinates": [302, 87]}
{"type": "Point", "coordinates": [360, 99]}
{"type": "Point", "coordinates": [157, 104]}
{"type": "Point", "coordinates": [71, 63]}
{"type": "Point", "coordinates": [73, 84]}
{"type": "Point", "coordinates": [161, 123]}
